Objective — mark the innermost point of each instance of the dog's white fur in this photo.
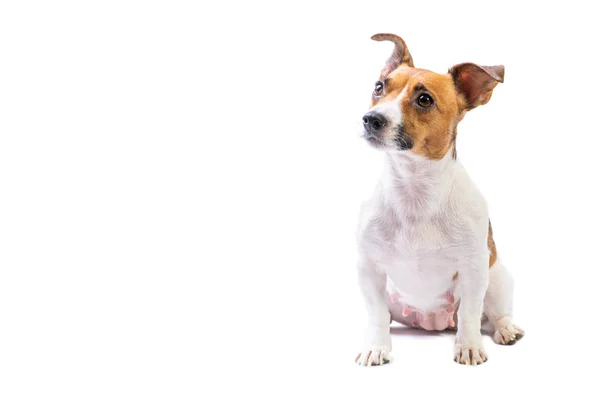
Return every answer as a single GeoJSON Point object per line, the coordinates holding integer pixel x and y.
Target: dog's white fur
{"type": "Point", "coordinates": [425, 223]}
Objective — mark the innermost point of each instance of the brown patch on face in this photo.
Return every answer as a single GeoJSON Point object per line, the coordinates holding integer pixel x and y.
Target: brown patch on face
{"type": "Point", "coordinates": [433, 128]}
{"type": "Point", "coordinates": [491, 245]}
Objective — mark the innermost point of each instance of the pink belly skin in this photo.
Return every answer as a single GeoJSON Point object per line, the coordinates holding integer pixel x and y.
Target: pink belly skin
{"type": "Point", "coordinates": [436, 320]}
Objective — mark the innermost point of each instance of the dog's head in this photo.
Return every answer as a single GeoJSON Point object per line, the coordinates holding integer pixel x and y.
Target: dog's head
{"type": "Point", "coordinates": [417, 110]}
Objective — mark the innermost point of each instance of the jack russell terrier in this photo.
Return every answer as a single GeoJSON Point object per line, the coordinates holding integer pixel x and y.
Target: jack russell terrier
{"type": "Point", "coordinates": [426, 253]}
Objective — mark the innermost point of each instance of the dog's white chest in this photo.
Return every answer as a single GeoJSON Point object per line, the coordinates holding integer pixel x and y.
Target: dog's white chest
{"type": "Point", "coordinates": [419, 229]}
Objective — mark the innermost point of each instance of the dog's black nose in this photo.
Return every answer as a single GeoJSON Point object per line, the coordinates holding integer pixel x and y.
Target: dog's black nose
{"type": "Point", "coordinates": [373, 121]}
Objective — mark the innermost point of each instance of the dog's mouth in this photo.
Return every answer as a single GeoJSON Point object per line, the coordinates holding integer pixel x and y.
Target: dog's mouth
{"type": "Point", "coordinates": [373, 140]}
{"type": "Point", "coordinates": [401, 141]}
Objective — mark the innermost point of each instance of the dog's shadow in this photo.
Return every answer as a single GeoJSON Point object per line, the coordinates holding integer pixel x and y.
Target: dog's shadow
{"type": "Point", "coordinates": [403, 330]}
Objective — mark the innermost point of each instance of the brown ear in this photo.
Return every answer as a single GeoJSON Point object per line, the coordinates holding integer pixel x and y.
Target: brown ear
{"type": "Point", "coordinates": [399, 56]}
{"type": "Point", "coordinates": [476, 82]}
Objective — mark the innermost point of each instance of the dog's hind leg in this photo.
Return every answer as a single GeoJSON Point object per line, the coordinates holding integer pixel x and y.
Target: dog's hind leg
{"type": "Point", "coordinates": [497, 305]}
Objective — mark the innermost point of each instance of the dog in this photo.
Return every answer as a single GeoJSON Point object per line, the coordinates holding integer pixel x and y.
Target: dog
{"type": "Point", "coordinates": [426, 255]}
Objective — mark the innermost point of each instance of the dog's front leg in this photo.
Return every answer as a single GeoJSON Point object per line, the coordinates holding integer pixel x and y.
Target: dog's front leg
{"type": "Point", "coordinates": [471, 287]}
{"type": "Point", "coordinates": [378, 341]}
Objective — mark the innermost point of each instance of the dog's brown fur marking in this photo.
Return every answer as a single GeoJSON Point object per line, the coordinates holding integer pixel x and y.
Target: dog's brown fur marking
{"type": "Point", "coordinates": [429, 129]}
{"type": "Point", "coordinates": [491, 245]}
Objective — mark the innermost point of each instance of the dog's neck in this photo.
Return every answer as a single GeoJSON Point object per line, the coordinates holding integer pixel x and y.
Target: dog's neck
{"type": "Point", "coordinates": [416, 186]}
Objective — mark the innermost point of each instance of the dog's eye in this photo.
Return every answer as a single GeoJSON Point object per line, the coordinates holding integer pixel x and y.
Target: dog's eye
{"type": "Point", "coordinates": [378, 88]}
{"type": "Point", "coordinates": [425, 100]}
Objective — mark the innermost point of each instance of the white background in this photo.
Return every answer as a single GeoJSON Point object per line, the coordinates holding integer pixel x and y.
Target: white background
{"type": "Point", "coordinates": [180, 182]}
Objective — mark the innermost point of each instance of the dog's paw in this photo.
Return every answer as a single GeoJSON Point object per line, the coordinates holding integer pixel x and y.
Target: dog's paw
{"type": "Point", "coordinates": [373, 356]}
{"type": "Point", "coordinates": [508, 334]}
{"type": "Point", "coordinates": [469, 355]}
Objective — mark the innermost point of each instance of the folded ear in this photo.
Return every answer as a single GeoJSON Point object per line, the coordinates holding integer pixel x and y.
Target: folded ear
{"type": "Point", "coordinates": [476, 82]}
{"type": "Point", "coordinates": [399, 56]}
